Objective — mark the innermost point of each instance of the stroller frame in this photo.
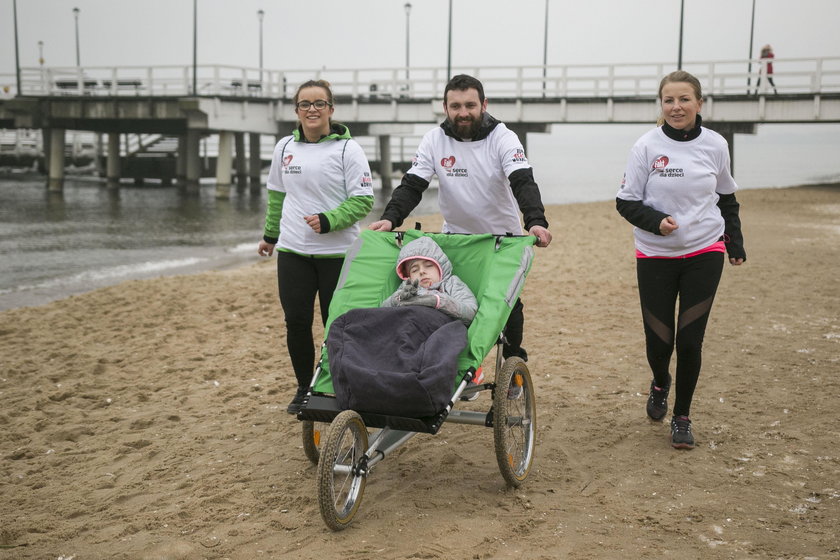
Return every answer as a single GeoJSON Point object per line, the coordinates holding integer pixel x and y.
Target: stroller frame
{"type": "Point", "coordinates": [346, 457]}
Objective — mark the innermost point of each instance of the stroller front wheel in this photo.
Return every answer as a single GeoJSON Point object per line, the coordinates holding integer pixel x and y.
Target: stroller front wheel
{"type": "Point", "coordinates": [342, 470]}
{"type": "Point", "coordinates": [514, 421]}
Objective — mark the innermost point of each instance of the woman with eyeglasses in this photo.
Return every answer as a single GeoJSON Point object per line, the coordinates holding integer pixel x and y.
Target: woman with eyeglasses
{"type": "Point", "coordinates": [319, 187]}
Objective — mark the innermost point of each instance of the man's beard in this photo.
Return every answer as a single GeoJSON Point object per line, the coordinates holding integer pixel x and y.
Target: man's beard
{"type": "Point", "coordinates": [467, 128]}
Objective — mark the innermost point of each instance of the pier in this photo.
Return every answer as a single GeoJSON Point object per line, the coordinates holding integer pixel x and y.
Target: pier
{"type": "Point", "coordinates": [167, 111]}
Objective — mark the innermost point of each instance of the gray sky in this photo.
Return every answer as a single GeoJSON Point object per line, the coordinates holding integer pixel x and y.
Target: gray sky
{"type": "Point", "coordinates": [371, 33]}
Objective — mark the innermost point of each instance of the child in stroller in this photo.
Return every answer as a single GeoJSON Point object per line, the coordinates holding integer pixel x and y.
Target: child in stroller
{"type": "Point", "coordinates": [427, 278]}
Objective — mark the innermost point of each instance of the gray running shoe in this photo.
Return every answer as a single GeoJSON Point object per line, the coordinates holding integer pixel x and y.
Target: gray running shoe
{"type": "Point", "coordinates": [681, 437]}
{"type": "Point", "coordinates": [657, 403]}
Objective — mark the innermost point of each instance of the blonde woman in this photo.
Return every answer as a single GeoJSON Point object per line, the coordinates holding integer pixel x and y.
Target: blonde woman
{"type": "Point", "coordinates": [679, 193]}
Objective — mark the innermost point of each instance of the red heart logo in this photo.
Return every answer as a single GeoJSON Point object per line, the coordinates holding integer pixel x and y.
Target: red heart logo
{"type": "Point", "coordinates": [448, 163]}
{"type": "Point", "coordinates": [661, 162]}
{"type": "Point", "coordinates": [287, 160]}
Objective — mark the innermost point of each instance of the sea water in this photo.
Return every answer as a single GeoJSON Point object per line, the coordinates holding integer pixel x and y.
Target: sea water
{"type": "Point", "coordinates": [56, 244]}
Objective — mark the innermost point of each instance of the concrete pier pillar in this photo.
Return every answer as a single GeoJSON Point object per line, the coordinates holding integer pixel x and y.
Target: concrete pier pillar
{"type": "Point", "coordinates": [181, 160]}
{"type": "Point", "coordinates": [522, 133]}
{"type": "Point", "coordinates": [522, 130]}
{"type": "Point", "coordinates": [97, 160]}
{"type": "Point", "coordinates": [112, 172]}
{"type": "Point", "coordinates": [44, 164]}
{"type": "Point", "coordinates": [385, 170]}
{"type": "Point", "coordinates": [224, 164]}
{"type": "Point", "coordinates": [728, 130]}
{"type": "Point", "coordinates": [729, 136]}
{"type": "Point", "coordinates": [241, 162]}
{"type": "Point", "coordinates": [193, 160]}
{"type": "Point", "coordinates": [255, 161]}
{"type": "Point", "coordinates": [55, 180]}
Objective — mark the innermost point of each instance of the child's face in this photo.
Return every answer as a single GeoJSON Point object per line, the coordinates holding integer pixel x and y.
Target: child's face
{"type": "Point", "coordinates": [424, 271]}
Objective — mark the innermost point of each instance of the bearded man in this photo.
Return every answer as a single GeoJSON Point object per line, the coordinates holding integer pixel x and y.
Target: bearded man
{"type": "Point", "coordinates": [485, 181]}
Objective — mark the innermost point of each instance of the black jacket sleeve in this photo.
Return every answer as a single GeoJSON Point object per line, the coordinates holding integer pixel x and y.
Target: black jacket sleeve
{"type": "Point", "coordinates": [733, 237]}
{"type": "Point", "coordinates": [405, 198]}
{"type": "Point", "coordinates": [527, 195]}
{"type": "Point", "coordinates": [641, 216]}
{"type": "Point", "coordinates": [325, 222]}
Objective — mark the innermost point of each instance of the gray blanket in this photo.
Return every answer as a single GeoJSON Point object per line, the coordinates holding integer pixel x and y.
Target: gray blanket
{"type": "Point", "coordinates": [399, 360]}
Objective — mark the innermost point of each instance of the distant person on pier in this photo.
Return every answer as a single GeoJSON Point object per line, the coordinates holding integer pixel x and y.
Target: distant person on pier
{"type": "Point", "coordinates": [679, 193]}
{"type": "Point", "coordinates": [767, 57]}
{"type": "Point", "coordinates": [485, 181]}
{"type": "Point", "coordinates": [319, 187]}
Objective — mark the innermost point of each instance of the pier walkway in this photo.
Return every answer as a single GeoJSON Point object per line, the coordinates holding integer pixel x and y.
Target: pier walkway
{"type": "Point", "coordinates": [185, 104]}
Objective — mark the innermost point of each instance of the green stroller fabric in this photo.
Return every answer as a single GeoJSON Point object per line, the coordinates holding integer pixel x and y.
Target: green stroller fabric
{"type": "Point", "coordinates": [494, 268]}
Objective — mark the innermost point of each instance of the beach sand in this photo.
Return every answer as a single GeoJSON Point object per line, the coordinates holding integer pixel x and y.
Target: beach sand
{"type": "Point", "coordinates": [147, 420]}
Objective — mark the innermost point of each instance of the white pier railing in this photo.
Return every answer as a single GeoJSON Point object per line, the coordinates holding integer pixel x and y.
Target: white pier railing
{"type": "Point", "coordinates": [801, 75]}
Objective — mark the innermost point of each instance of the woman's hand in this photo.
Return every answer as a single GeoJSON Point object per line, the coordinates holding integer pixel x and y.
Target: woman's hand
{"type": "Point", "coordinates": [668, 225]}
{"type": "Point", "coordinates": [265, 249]}
{"type": "Point", "coordinates": [314, 222]}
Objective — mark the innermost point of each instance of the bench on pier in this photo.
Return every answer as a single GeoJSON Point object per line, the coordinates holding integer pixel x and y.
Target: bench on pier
{"type": "Point", "coordinates": [386, 91]}
{"type": "Point", "coordinates": [252, 87]}
{"type": "Point", "coordinates": [70, 87]}
{"type": "Point", "coordinates": [123, 85]}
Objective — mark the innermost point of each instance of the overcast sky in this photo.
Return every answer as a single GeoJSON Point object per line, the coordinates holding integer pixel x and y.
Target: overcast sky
{"type": "Point", "coordinates": [371, 33]}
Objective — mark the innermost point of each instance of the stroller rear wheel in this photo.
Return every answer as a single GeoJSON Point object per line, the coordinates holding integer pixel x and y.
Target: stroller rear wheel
{"type": "Point", "coordinates": [342, 470]}
{"type": "Point", "coordinates": [514, 421]}
{"type": "Point", "coordinates": [313, 434]}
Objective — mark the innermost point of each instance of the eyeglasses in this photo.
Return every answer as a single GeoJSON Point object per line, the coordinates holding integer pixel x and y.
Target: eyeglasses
{"type": "Point", "coordinates": [319, 104]}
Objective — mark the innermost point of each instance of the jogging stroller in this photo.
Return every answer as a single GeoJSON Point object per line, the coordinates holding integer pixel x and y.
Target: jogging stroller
{"type": "Point", "coordinates": [494, 267]}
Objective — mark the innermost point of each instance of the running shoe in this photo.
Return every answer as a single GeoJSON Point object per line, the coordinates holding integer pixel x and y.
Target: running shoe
{"type": "Point", "coordinates": [297, 402]}
{"type": "Point", "coordinates": [520, 352]}
{"type": "Point", "coordinates": [681, 437]}
{"type": "Point", "coordinates": [478, 379]}
{"type": "Point", "coordinates": [657, 403]}
{"type": "Point", "coordinates": [472, 396]}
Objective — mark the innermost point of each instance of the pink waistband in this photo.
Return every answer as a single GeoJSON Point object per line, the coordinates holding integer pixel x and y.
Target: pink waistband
{"type": "Point", "coordinates": [716, 247]}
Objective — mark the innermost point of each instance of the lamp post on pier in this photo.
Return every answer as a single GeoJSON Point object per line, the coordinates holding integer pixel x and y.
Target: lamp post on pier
{"type": "Point", "coordinates": [76, 16]}
{"type": "Point", "coordinates": [749, 57]}
{"type": "Point", "coordinates": [407, 36]}
{"type": "Point", "coordinates": [545, 50]}
{"type": "Point", "coordinates": [449, 46]}
{"type": "Point", "coordinates": [41, 62]}
{"type": "Point", "coordinates": [195, 48]}
{"type": "Point", "coordinates": [679, 55]}
{"type": "Point", "coordinates": [260, 15]}
{"type": "Point", "coordinates": [17, 55]}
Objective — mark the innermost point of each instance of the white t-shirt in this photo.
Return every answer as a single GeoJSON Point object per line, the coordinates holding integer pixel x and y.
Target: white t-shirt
{"type": "Point", "coordinates": [475, 194]}
{"type": "Point", "coordinates": [317, 177]}
{"type": "Point", "coordinates": [683, 180]}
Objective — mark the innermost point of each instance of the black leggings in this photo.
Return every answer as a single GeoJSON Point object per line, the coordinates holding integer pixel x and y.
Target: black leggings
{"type": "Point", "coordinates": [513, 331]}
{"type": "Point", "coordinates": [299, 278]}
{"type": "Point", "coordinates": [695, 281]}
{"type": "Point", "coordinates": [769, 79]}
